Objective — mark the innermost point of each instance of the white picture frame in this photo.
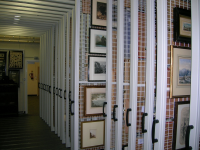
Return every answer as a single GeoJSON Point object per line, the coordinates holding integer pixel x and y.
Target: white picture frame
{"type": "Point", "coordinates": [97, 41]}
{"type": "Point", "coordinates": [96, 68]}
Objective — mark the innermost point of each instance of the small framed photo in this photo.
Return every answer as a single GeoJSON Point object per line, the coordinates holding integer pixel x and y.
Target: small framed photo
{"type": "Point", "coordinates": [14, 75]}
{"type": "Point", "coordinates": [95, 96]}
{"type": "Point", "coordinates": [92, 133]}
{"type": "Point", "coordinates": [98, 14]}
{"type": "Point", "coordinates": [97, 41]}
{"type": "Point", "coordinates": [15, 59]}
{"type": "Point", "coordinates": [96, 68]}
{"type": "Point", "coordinates": [182, 25]}
{"type": "Point", "coordinates": [181, 121]}
{"type": "Point", "coordinates": [180, 78]}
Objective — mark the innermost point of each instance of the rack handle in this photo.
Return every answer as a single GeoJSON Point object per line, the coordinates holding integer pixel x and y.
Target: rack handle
{"type": "Point", "coordinates": [143, 117]}
{"type": "Point", "coordinates": [187, 137]}
{"type": "Point", "coordinates": [72, 113]}
{"type": "Point", "coordinates": [115, 106]}
{"type": "Point", "coordinates": [127, 114]}
{"type": "Point", "coordinates": [50, 89]}
{"type": "Point", "coordinates": [56, 91]}
{"type": "Point", "coordinates": [64, 94]}
{"type": "Point", "coordinates": [153, 131]}
{"type": "Point", "coordinates": [60, 93]}
{"type": "Point", "coordinates": [104, 114]}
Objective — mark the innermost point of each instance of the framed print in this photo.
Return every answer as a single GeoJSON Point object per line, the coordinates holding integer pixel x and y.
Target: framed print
{"type": "Point", "coordinates": [3, 56]}
{"type": "Point", "coordinates": [180, 78]}
{"type": "Point", "coordinates": [15, 76]}
{"type": "Point", "coordinates": [92, 133]}
{"type": "Point", "coordinates": [96, 68]}
{"type": "Point", "coordinates": [15, 59]}
{"type": "Point", "coordinates": [99, 15]}
{"type": "Point", "coordinates": [181, 121]}
{"type": "Point", "coordinates": [182, 25]}
{"type": "Point", "coordinates": [95, 96]}
{"type": "Point", "coordinates": [97, 41]}
{"type": "Point", "coordinates": [125, 147]}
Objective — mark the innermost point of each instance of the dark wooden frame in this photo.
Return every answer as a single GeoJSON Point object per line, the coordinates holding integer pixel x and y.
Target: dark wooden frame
{"type": "Point", "coordinates": [85, 100]}
{"type": "Point", "coordinates": [90, 41]}
{"type": "Point", "coordinates": [4, 60]}
{"type": "Point", "coordinates": [124, 146]}
{"type": "Point", "coordinates": [89, 67]}
{"type": "Point", "coordinates": [82, 136]}
{"type": "Point", "coordinates": [177, 13]}
{"type": "Point", "coordinates": [10, 60]}
{"type": "Point", "coordinates": [18, 74]}
{"type": "Point", "coordinates": [175, 122]}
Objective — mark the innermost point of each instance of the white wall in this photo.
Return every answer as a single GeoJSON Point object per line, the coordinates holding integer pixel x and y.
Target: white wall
{"type": "Point", "coordinates": [31, 50]}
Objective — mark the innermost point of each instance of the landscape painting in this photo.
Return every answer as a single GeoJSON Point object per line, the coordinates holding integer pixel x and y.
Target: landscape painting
{"type": "Point", "coordinates": [101, 11]}
{"type": "Point", "coordinates": [184, 71]}
{"type": "Point", "coordinates": [93, 133]}
{"type": "Point", "coordinates": [98, 99]}
{"type": "Point", "coordinates": [100, 41]}
{"type": "Point", "coordinates": [186, 26]}
{"type": "Point", "coordinates": [100, 67]}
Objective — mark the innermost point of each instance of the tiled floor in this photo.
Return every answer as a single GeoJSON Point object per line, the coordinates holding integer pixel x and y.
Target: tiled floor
{"type": "Point", "coordinates": [28, 132]}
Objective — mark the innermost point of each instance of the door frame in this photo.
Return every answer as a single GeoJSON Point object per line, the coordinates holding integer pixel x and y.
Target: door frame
{"type": "Point", "coordinates": [26, 82]}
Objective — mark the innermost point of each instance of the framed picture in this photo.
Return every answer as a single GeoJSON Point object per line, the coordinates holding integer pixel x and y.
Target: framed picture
{"type": "Point", "coordinates": [3, 56]}
{"type": "Point", "coordinates": [92, 133]}
{"type": "Point", "coordinates": [95, 96]}
{"type": "Point", "coordinates": [180, 78]}
{"type": "Point", "coordinates": [99, 15]}
{"type": "Point", "coordinates": [96, 68]}
{"type": "Point", "coordinates": [97, 41]}
{"type": "Point", "coordinates": [181, 121]}
{"type": "Point", "coordinates": [125, 147]}
{"type": "Point", "coordinates": [182, 25]}
{"type": "Point", "coordinates": [15, 60]}
{"type": "Point", "coordinates": [15, 76]}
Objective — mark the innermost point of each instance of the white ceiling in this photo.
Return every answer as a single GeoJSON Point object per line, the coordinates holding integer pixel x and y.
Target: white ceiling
{"type": "Point", "coordinates": [36, 16]}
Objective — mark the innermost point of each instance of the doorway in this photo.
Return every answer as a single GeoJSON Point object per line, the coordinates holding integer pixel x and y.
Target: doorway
{"type": "Point", "coordinates": [31, 87]}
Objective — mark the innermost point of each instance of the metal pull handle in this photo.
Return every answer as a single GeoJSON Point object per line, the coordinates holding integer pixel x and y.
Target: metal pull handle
{"type": "Point", "coordinates": [44, 86]}
{"type": "Point", "coordinates": [187, 137]}
{"type": "Point", "coordinates": [64, 94]}
{"type": "Point", "coordinates": [56, 91]}
{"type": "Point", "coordinates": [143, 117]}
{"type": "Point", "coordinates": [104, 103]}
{"type": "Point", "coordinates": [115, 106]}
{"type": "Point", "coordinates": [50, 89]}
{"type": "Point", "coordinates": [127, 112]}
{"type": "Point", "coordinates": [69, 95]}
{"type": "Point", "coordinates": [153, 131]}
{"type": "Point", "coordinates": [60, 93]}
{"type": "Point", "coordinates": [72, 102]}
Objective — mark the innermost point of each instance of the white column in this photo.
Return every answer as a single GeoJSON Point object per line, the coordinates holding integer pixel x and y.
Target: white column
{"type": "Point", "coordinates": [67, 81]}
{"type": "Point", "coordinates": [45, 80]}
{"type": "Point", "coordinates": [76, 74]}
{"type": "Point", "coordinates": [150, 56]}
{"type": "Point", "coordinates": [108, 75]}
{"type": "Point", "coordinates": [51, 84]}
{"type": "Point", "coordinates": [40, 95]}
{"type": "Point", "coordinates": [56, 80]}
{"type": "Point", "coordinates": [72, 78]}
{"type": "Point", "coordinates": [63, 78]}
{"type": "Point", "coordinates": [195, 81]}
{"type": "Point", "coordinates": [133, 75]}
{"type": "Point", "coordinates": [120, 71]}
{"type": "Point", "coordinates": [59, 84]}
{"type": "Point", "coordinates": [161, 73]}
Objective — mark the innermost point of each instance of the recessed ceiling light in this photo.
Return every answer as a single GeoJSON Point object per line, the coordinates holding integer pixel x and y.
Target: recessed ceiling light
{"type": "Point", "coordinates": [15, 23]}
{"type": "Point", "coordinates": [17, 16]}
{"type": "Point", "coordinates": [16, 19]}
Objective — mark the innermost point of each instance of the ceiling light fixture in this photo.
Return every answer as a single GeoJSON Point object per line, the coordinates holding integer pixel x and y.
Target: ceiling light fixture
{"type": "Point", "coordinates": [17, 16]}
{"type": "Point", "coordinates": [16, 19]}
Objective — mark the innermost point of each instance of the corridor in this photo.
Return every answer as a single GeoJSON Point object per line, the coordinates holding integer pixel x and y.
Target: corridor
{"type": "Point", "coordinates": [28, 131]}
